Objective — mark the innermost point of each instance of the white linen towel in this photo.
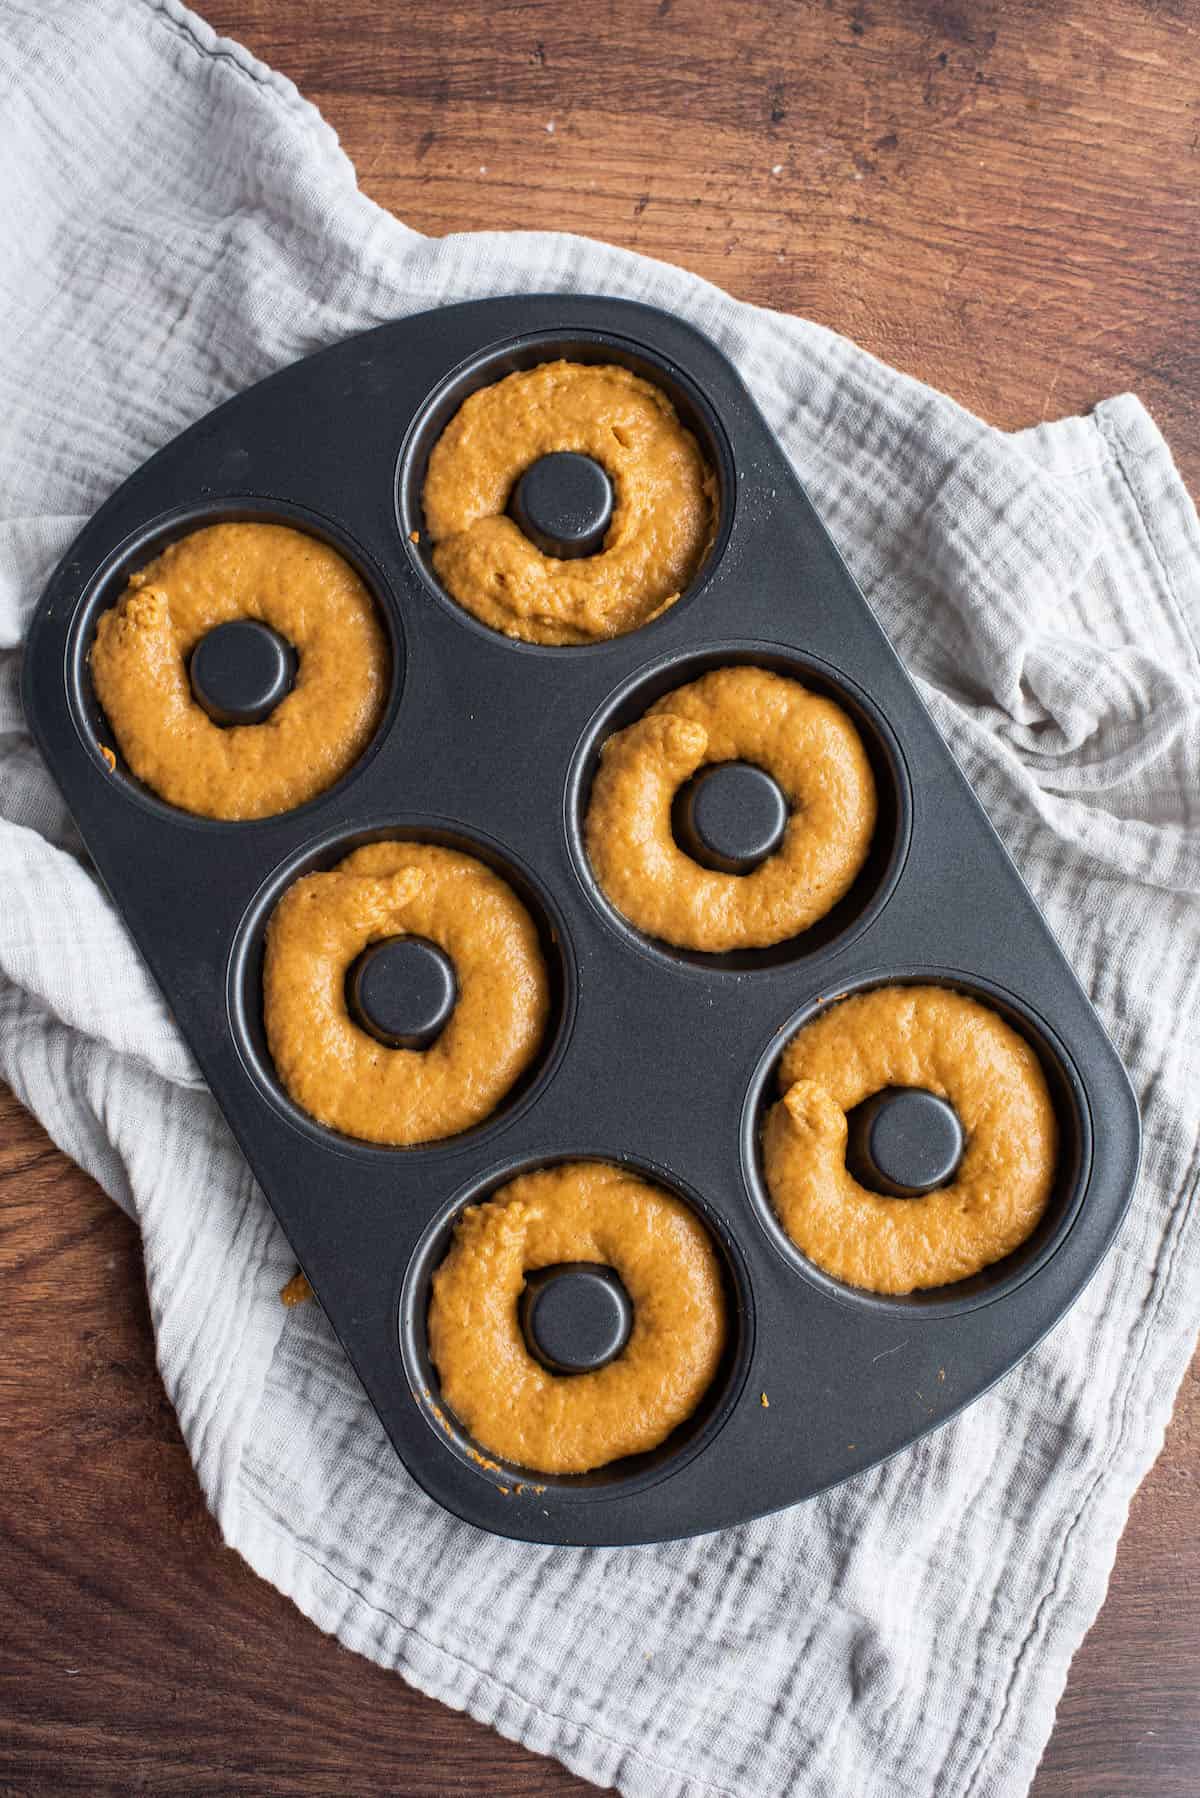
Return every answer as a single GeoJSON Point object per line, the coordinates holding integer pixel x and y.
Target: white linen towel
{"type": "Point", "coordinates": [178, 222]}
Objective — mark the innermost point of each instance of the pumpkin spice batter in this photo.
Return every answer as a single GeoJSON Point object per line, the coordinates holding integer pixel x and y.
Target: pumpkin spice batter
{"type": "Point", "coordinates": [281, 577]}
{"type": "Point", "coordinates": [916, 1036]}
{"type": "Point", "coordinates": [570, 1423]}
{"type": "Point", "coordinates": [339, 1073]}
{"type": "Point", "coordinates": [664, 513]}
{"type": "Point", "coordinates": [746, 714]}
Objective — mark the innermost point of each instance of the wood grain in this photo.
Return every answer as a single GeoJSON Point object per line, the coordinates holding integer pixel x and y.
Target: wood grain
{"type": "Point", "coordinates": [997, 195]}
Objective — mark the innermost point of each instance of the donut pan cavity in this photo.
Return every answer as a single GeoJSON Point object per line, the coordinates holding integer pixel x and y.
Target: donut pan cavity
{"type": "Point", "coordinates": [654, 1057]}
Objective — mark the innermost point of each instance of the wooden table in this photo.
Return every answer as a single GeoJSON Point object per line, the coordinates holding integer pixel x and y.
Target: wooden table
{"type": "Point", "coordinates": [997, 195]}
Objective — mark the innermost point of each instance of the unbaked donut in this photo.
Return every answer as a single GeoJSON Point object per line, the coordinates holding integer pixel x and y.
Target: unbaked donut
{"type": "Point", "coordinates": [663, 514]}
{"type": "Point", "coordinates": [339, 1073]}
{"type": "Point", "coordinates": [746, 714]}
{"type": "Point", "coordinates": [916, 1036]}
{"type": "Point", "coordinates": [569, 1423]}
{"type": "Point", "coordinates": [301, 588]}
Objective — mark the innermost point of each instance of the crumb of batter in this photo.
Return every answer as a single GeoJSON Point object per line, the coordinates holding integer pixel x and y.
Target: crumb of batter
{"type": "Point", "coordinates": [297, 1291]}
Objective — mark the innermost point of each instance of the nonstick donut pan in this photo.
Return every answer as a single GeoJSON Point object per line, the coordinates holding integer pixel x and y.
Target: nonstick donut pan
{"type": "Point", "coordinates": [657, 1058]}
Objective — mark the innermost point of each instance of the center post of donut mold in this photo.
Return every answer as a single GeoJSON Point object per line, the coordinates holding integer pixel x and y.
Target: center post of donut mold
{"type": "Point", "coordinates": [564, 504]}
{"type": "Point", "coordinates": [903, 1141]}
{"type": "Point", "coordinates": [730, 817]}
{"type": "Point", "coordinates": [241, 670]}
{"type": "Point", "coordinates": [575, 1316]}
{"type": "Point", "coordinates": [402, 991]}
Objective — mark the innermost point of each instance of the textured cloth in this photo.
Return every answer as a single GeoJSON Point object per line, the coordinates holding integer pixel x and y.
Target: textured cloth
{"type": "Point", "coordinates": [177, 222]}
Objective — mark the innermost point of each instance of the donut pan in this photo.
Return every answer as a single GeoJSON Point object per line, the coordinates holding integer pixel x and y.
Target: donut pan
{"type": "Point", "coordinates": [656, 1058]}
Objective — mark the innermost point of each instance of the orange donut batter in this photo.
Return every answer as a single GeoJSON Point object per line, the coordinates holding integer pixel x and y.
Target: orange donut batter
{"type": "Point", "coordinates": [569, 1423]}
{"type": "Point", "coordinates": [340, 1074]}
{"type": "Point", "coordinates": [304, 590]}
{"type": "Point", "coordinates": [747, 714]}
{"type": "Point", "coordinates": [664, 509]}
{"type": "Point", "coordinates": [919, 1036]}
